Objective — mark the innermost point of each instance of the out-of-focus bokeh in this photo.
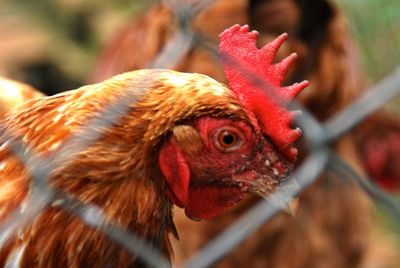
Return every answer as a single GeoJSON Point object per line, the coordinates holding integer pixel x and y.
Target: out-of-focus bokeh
{"type": "Point", "coordinates": [54, 42]}
{"type": "Point", "coordinates": [375, 25]}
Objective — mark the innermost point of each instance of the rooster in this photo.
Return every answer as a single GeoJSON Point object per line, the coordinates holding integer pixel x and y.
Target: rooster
{"type": "Point", "coordinates": [186, 140]}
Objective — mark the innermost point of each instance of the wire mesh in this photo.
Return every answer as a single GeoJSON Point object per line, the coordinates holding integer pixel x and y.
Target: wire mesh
{"type": "Point", "coordinates": [321, 157]}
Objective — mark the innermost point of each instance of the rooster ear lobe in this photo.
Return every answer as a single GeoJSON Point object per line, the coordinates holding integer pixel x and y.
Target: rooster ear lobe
{"type": "Point", "coordinates": [176, 171]}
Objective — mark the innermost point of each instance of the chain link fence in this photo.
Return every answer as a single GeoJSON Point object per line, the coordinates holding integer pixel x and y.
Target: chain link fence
{"type": "Point", "coordinates": [320, 137]}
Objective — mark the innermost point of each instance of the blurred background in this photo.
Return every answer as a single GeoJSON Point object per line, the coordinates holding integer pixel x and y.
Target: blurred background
{"type": "Point", "coordinates": [54, 45]}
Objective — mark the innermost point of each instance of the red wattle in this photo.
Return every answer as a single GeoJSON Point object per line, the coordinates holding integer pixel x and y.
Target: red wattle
{"type": "Point", "coordinates": [209, 201]}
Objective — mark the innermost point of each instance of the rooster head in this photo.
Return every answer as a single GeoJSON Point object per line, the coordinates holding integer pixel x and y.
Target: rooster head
{"type": "Point", "coordinates": [212, 161]}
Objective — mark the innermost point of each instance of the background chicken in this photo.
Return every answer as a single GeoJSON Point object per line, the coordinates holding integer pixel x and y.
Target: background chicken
{"type": "Point", "coordinates": [185, 140]}
{"type": "Point", "coordinates": [380, 150]}
{"type": "Point", "coordinates": [333, 224]}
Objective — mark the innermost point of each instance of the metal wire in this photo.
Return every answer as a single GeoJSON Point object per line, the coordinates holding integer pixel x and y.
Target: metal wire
{"type": "Point", "coordinates": [41, 194]}
{"type": "Point", "coordinates": [339, 166]}
{"type": "Point", "coordinates": [321, 136]}
{"type": "Point", "coordinates": [372, 100]}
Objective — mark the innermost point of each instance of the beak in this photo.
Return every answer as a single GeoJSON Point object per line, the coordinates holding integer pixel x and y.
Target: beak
{"type": "Point", "coordinates": [283, 196]}
{"type": "Point", "coordinates": [292, 207]}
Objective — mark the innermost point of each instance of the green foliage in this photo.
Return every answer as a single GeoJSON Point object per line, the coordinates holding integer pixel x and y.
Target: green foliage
{"type": "Point", "coordinates": [376, 26]}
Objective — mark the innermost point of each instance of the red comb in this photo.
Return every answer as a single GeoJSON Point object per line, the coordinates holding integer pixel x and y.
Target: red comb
{"type": "Point", "coordinates": [266, 98]}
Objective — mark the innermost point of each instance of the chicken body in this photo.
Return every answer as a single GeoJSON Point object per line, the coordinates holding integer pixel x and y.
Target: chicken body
{"type": "Point", "coordinates": [121, 171]}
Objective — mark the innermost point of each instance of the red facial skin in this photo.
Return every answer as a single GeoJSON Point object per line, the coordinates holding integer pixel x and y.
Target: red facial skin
{"type": "Point", "coordinates": [208, 182]}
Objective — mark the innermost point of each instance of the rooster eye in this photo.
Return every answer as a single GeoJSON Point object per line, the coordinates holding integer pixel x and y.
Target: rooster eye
{"type": "Point", "coordinates": [227, 140]}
